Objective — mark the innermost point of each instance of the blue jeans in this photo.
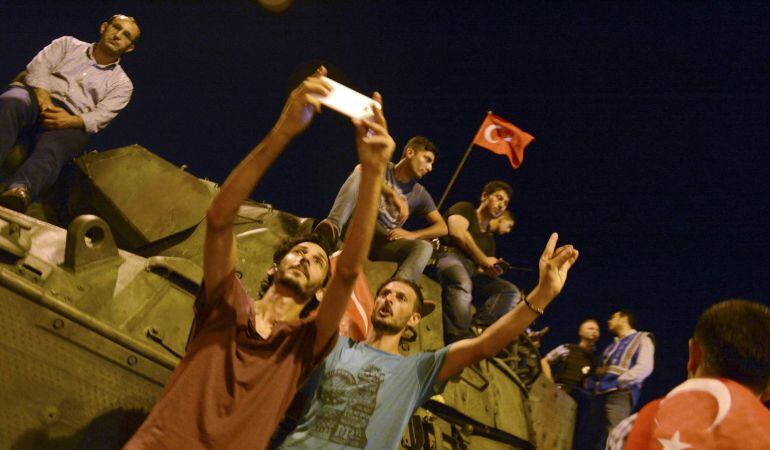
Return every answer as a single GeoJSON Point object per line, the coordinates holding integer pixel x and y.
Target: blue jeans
{"type": "Point", "coordinates": [345, 201]}
{"type": "Point", "coordinates": [50, 149]}
{"type": "Point", "coordinates": [461, 287]}
{"type": "Point", "coordinates": [411, 255]}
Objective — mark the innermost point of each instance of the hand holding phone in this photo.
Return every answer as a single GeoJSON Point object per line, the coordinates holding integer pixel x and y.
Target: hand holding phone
{"type": "Point", "coordinates": [349, 102]}
{"type": "Point", "coordinates": [502, 266]}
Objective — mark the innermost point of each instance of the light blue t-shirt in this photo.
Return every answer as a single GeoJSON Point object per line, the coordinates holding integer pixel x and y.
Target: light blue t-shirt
{"type": "Point", "coordinates": [365, 398]}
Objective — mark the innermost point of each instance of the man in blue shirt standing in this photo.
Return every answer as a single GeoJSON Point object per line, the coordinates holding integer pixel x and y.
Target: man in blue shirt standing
{"type": "Point", "coordinates": [624, 365]}
{"type": "Point", "coordinates": [368, 391]}
{"type": "Point", "coordinates": [70, 90]}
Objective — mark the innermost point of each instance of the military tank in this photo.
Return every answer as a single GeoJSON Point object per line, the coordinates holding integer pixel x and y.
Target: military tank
{"type": "Point", "coordinates": [97, 285]}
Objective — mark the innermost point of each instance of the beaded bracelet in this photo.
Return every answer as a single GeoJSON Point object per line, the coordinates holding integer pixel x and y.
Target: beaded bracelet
{"type": "Point", "coordinates": [533, 308]}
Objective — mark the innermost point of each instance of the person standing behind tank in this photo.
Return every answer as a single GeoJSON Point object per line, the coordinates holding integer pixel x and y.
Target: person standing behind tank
{"type": "Point", "coordinates": [575, 363]}
{"type": "Point", "coordinates": [70, 91]}
{"type": "Point", "coordinates": [246, 359]}
{"type": "Point", "coordinates": [720, 405]}
{"type": "Point", "coordinates": [625, 364]}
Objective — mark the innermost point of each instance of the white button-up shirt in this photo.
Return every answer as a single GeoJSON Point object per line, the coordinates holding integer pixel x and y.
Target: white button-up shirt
{"type": "Point", "coordinates": [66, 68]}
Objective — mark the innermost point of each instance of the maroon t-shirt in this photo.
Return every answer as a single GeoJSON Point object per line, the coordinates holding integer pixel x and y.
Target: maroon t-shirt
{"type": "Point", "coordinates": [232, 387]}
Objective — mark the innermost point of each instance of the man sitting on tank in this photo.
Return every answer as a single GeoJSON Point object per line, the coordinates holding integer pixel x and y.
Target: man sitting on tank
{"type": "Point", "coordinates": [402, 197]}
{"type": "Point", "coordinates": [247, 358]}
{"type": "Point", "coordinates": [69, 91]}
{"type": "Point", "coordinates": [466, 265]}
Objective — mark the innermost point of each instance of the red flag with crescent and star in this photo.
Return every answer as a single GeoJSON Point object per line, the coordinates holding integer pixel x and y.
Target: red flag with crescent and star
{"type": "Point", "coordinates": [504, 138]}
{"type": "Point", "coordinates": [703, 414]}
{"type": "Point", "coordinates": [357, 320]}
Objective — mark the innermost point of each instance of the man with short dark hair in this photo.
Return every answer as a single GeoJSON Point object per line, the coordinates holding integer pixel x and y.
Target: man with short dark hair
{"type": "Point", "coordinates": [368, 391]}
{"type": "Point", "coordinates": [720, 406]}
{"type": "Point", "coordinates": [246, 359]}
{"type": "Point", "coordinates": [466, 265]}
{"type": "Point", "coordinates": [68, 92]}
{"type": "Point", "coordinates": [402, 197]}
{"type": "Point", "coordinates": [625, 364]}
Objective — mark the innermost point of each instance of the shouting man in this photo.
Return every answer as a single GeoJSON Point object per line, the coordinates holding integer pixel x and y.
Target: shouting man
{"type": "Point", "coordinates": [368, 391]}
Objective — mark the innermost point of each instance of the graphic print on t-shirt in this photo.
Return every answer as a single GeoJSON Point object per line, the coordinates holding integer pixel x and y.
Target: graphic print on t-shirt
{"type": "Point", "coordinates": [347, 403]}
{"type": "Point", "coordinates": [389, 211]}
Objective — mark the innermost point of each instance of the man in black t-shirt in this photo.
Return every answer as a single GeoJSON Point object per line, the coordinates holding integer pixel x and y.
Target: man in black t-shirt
{"type": "Point", "coordinates": [467, 268]}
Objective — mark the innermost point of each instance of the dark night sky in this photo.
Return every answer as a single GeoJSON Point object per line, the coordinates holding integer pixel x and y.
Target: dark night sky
{"type": "Point", "coordinates": [651, 124]}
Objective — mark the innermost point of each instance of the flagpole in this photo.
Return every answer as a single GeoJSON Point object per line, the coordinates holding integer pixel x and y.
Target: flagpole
{"type": "Point", "coordinates": [457, 172]}
{"type": "Point", "coordinates": [454, 177]}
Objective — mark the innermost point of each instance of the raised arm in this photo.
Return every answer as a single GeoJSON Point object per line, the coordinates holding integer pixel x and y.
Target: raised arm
{"type": "Point", "coordinates": [375, 148]}
{"type": "Point", "coordinates": [219, 251]}
{"type": "Point", "coordinates": [554, 266]}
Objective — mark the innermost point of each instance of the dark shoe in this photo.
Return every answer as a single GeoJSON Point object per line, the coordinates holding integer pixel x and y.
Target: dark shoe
{"type": "Point", "coordinates": [328, 233]}
{"type": "Point", "coordinates": [15, 198]}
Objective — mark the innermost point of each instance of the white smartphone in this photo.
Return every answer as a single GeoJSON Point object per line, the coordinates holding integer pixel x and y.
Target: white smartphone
{"type": "Point", "coordinates": [349, 102]}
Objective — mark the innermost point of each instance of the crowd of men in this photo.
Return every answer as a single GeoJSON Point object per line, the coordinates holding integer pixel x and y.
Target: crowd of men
{"type": "Point", "coordinates": [247, 358]}
{"type": "Point", "coordinates": [728, 362]}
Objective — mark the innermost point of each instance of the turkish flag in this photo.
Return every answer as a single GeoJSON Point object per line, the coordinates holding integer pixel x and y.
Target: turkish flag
{"type": "Point", "coordinates": [357, 320]}
{"type": "Point", "coordinates": [504, 138]}
{"type": "Point", "coordinates": [703, 414]}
